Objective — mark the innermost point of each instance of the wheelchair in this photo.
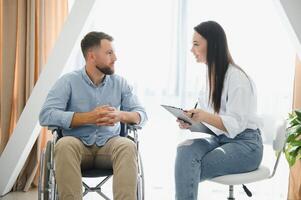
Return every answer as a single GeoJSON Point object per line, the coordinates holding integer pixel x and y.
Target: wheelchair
{"type": "Point", "coordinates": [47, 187]}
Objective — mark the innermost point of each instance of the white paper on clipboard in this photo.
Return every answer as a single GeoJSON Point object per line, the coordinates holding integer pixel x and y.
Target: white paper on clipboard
{"type": "Point", "coordinates": [195, 126]}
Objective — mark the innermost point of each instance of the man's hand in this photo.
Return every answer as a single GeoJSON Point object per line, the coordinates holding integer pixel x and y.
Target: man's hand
{"type": "Point", "coordinates": [104, 116]}
{"type": "Point", "coordinates": [97, 116]}
{"type": "Point", "coordinates": [108, 116]}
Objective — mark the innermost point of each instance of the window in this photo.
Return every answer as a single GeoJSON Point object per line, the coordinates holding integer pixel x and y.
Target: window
{"type": "Point", "coordinates": [258, 43]}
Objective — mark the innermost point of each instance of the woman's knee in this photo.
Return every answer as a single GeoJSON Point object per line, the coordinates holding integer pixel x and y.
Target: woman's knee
{"type": "Point", "coordinates": [192, 151]}
{"type": "Point", "coordinates": [184, 148]}
{"type": "Point", "coordinates": [186, 153]}
{"type": "Point", "coordinates": [195, 146]}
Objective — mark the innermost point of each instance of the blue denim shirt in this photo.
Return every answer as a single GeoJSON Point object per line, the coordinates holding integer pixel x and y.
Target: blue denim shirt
{"type": "Point", "coordinates": [75, 92]}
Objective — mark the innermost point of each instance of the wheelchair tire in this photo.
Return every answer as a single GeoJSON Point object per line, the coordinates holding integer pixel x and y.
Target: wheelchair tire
{"type": "Point", "coordinates": [44, 179]}
{"type": "Point", "coordinates": [140, 181]}
{"type": "Point", "coordinates": [41, 176]}
{"type": "Point", "coordinates": [47, 165]}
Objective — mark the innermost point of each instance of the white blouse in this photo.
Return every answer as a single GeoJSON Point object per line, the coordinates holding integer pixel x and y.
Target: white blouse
{"type": "Point", "coordinates": [238, 109]}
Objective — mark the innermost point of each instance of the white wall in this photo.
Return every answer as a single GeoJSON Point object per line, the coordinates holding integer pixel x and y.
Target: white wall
{"type": "Point", "coordinates": [291, 19]}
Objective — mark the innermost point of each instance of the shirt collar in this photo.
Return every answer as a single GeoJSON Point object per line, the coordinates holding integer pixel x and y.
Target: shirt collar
{"type": "Point", "coordinates": [89, 81]}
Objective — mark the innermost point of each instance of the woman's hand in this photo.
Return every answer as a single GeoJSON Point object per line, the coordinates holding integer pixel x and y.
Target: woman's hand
{"type": "Point", "coordinates": [183, 125]}
{"type": "Point", "coordinates": [196, 114]}
{"type": "Point", "coordinates": [200, 115]}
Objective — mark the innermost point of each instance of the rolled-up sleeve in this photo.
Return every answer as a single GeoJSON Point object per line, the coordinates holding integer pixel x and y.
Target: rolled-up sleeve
{"type": "Point", "coordinates": [237, 108]}
{"type": "Point", "coordinates": [54, 112]}
{"type": "Point", "coordinates": [130, 103]}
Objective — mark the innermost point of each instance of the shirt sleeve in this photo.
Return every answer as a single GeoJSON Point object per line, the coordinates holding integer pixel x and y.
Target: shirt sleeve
{"type": "Point", "coordinates": [54, 112]}
{"type": "Point", "coordinates": [130, 103]}
{"type": "Point", "coordinates": [240, 97]}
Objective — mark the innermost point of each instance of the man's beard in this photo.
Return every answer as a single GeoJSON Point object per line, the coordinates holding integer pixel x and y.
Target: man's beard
{"type": "Point", "coordinates": [105, 70]}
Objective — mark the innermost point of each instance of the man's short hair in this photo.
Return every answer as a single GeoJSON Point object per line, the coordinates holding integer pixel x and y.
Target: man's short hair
{"type": "Point", "coordinates": [93, 39]}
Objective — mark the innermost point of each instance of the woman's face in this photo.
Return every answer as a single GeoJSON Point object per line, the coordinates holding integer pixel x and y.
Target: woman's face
{"type": "Point", "coordinates": [199, 48]}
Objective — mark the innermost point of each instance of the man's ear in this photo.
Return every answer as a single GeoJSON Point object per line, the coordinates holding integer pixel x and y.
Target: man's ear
{"type": "Point", "coordinates": [90, 55]}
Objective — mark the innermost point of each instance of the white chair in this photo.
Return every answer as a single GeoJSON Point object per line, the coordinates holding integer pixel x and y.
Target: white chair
{"type": "Point", "coordinates": [261, 173]}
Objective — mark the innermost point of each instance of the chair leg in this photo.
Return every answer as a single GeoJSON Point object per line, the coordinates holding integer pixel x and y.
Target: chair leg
{"type": "Point", "coordinates": [247, 191]}
{"type": "Point", "coordinates": [103, 182]}
{"type": "Point", "coordinates": [97, 188]}
{"type": "Point", "coordinates": [103, 195]}
{"type": "Point", "coordinates": [231, 192]}
{"type": "Point", "coordinates": [87, 189]}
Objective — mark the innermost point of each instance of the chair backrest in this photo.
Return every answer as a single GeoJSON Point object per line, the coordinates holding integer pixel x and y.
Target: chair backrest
{"type": "Point", "coordinates": [274, 131]}
{"type": "Point", "coordinates": [278, 131]}
{"type": "Point", "coordinates": [280, 137]}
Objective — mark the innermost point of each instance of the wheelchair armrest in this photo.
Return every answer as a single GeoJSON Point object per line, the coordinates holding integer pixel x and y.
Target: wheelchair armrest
{"type": "Point", "coordinates": [126, 128]}
{"type": "Point", "coordinates": [56, 129]}
{"type": "Point", "coordinates": [133, 127]}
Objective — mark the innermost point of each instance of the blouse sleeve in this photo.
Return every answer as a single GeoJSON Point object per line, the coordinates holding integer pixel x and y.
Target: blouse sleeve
{"type": "Point", "coordinates": [239, 101]}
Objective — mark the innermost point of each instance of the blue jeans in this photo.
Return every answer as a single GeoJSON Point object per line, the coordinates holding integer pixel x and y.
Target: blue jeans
{"type": "Point", "coordinates": [205, 158]}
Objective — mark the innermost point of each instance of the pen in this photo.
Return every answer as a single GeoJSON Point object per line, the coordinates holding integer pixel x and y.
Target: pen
{"type": "Point", "coordinates": [196, 105]}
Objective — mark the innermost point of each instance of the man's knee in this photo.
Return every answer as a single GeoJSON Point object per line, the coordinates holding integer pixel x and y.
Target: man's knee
{"type": "Point", "coordinates": [126, 146]}
{"type": "Point", "coordinates": [67, 145]}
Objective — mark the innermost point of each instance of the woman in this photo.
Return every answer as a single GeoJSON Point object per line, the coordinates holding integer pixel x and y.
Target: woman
{"type": "Point", "coordinates": [228, 107]}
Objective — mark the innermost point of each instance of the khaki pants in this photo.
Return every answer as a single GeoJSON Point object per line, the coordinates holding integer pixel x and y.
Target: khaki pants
{"type": "Point", "coordinates": [118, 153]}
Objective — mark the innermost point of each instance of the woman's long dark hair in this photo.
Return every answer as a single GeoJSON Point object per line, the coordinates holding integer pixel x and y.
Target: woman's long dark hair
{"type": "Point", "coordinates": [218, 59]}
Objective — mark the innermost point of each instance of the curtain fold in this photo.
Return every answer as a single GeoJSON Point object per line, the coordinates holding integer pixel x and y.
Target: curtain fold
{"type": "Point", "coordinates": [29, 29]}
{"type": "Point", "coordinates": [8, 47]}
{"type": "Point", "coordinates": [1, 46]}
{"type": "Point", "coordinates": [294, 191]}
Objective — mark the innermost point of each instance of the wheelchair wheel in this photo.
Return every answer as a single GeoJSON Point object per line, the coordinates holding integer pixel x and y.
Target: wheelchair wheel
{"type": "Point", "coordinates": [40, 191]}
{"type": "Point", "coordinates": [140, 181]}
{"type": "Point", "coordinates": [47, 186]}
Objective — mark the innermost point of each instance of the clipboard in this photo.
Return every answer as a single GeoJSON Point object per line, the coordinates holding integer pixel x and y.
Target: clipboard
{"type": "Point", "coordinates": [195, 126]}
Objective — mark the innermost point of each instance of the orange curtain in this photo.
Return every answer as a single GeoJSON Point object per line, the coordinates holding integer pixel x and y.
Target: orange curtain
{"type": "Point", "coordinates": [1, 25]}
{"type": "Point", "coordinates": [294, 192]}
{"type": "Point", "coordinates": [29, 29]}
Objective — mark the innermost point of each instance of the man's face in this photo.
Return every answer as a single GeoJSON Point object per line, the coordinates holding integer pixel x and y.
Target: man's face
{"type": "Point", "coordinates": [104, 57]}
